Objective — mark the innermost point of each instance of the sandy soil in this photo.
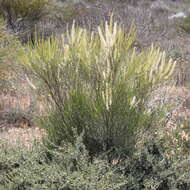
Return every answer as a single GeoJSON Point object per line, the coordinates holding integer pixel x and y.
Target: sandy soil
{"type": "Point", "coordinates": [15, 122]}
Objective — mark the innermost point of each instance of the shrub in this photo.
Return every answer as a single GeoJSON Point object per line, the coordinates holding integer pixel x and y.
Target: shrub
{"type": "Point", "coordinates": [21, 16]}
{"type": "Point", "coordinates": [176, 137]}
{"type": "Point", "coordinates": [20, 9]}
{"type": "Point", "coordinates": [150, 169]}
{"type": "Point", "coordinates": [184, 24]}
{"type": "Point", "coordinates": [15, 104]}
{"type": "Point", "coordinates": [68, 168]}
{"type": "Point", "coordinates": [98, 85]}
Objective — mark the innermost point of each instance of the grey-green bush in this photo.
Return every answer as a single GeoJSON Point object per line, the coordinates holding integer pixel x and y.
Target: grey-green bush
{"type": "Point", "coordinates": [66, 168]}
{"type": "Point", "coordinates": [69, 168]}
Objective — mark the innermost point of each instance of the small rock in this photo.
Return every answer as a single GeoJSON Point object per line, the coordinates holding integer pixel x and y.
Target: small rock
{"type": "Point", "coordinates": [177, 15]}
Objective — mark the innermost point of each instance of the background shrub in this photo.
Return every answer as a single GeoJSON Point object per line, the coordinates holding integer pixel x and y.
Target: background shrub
{"type": "Point", "coordinates": [184, 24]}
{"type": "Point", "coordinates": [21, 16]}
{"type": "Point", "coordinates": [15, 102]}
{"type": "Point", "coordinates": [8, 43]}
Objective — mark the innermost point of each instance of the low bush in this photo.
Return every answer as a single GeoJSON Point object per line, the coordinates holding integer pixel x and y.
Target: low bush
{"type": "Point", "coordinates": [176, 139]}
{"type": "Point", "coordinates": [151, 169]}
{"type": "Point", "coordinates": [69, 168]}
{"type": "Point", "coordinates": [98, 85]}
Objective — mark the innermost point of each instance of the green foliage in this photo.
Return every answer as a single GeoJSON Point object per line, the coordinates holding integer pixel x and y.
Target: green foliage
{"type": "Point", "coordinates": [69, 168]}
{"type": "Point", "coordinates": [184, 24]}
{"type": "Point", "coordinates": [18, 12]}
{"type": "Point", "coordinates": [21, 9]}
{"type": "Point", "coordinates": [66, 168]}
{"type": "Point", "coordinates": [98, 85]}
{"type": "Point", "coordinates": [150, 169]}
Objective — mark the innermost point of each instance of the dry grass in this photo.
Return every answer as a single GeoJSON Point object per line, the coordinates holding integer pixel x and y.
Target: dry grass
{"type": "Point", "coordinates": [16, 119]}
{"type": "Point", "coordinates": [21, 136]}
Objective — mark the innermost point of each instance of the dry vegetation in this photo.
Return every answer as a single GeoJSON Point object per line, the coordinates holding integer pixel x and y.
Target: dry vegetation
{"type": "Point", "coordinates": [97, 91]}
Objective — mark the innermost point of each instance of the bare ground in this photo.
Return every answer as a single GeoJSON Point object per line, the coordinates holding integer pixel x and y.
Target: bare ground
{"type": "Point", "coordinates": [16, 125]}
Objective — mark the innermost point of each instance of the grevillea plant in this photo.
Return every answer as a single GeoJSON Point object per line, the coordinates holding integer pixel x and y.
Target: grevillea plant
{"type": "Point", "coordinates": [97, 84]}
